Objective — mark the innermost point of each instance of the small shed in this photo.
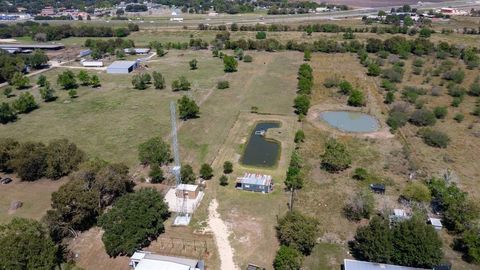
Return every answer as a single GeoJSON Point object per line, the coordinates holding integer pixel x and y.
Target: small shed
{"type": "Point", "coordinates": [122, 67]}
{"type": "Point", "coordinates": [92, 63]}
{"type": "Point", "coordinates": [190, 191]}
{"type": "Point", "coordinates": [137, 50]}
{"type": "Point", "coordinates": [436, 223]}
{"type": "Point", "coordinates": [255, 182]}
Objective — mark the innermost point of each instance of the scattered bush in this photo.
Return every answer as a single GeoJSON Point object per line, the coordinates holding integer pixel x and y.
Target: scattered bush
{"type": "Point", "coordinates": [345, 87]}
{"type": "Point", "coordinates": [440, 112]}
{"type": "Point", "coordinates": [459, 117]}
{"type": "Point", "coordinates": [247, 58]}
{"type": "Point", "coordinates": [360, 206]}
{"type": "Point", "coordinates": [422, 117]}
{"type": "Point", "coordinates": [331, 82]}
{"type": "Point", "coordinates": [156, 173]}
{"type": "Point", "coordinates": [227, 167]}
{"type": "Point", "coordinates": [287, 258]}
{"type": "Point", "coordinates": [181, 84]}
{"type": "Point", "coordinates": [356, 99]}
{"type": "Point", "coordinates": [299, 136]}
{"type": "Point", "coordinates": [206, 171]}
{"type": "Point", "coordinates": [154, 151]}
{"type": "Point", "coordinates": [25, 103]}
{"type": "Point", "coordinates": [223, 180]}
{"type": "Point", "coordinates": [298, 231]}
{"type": "Point", "coordinates": [434, 138]}
{"type": "Point", "coordinates": [336, 156]}
{"type": "Point", "coordinates": [416, 191]}
{"type": "Point", "coordinates": [188, 108]}
{"type": "Point", "coordinates": [223, 85]}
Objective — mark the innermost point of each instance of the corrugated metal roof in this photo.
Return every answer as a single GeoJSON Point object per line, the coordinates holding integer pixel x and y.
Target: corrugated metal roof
{"type": "Point", "coordinates": [122, 64]}
{"type": "Point", "coordinates": [256, 179]}
{"type": "Point", "coordinates": [436, 222]}
{"type": "Point", "coordinates": [361, 265]}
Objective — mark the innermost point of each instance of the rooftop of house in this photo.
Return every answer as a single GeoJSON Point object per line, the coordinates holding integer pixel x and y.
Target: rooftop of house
{"type": "Point", "coordinates": [361, 265]}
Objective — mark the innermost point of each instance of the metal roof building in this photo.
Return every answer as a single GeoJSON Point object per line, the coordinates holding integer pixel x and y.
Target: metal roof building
{"type": "Point", "coordinates": [143, 260]}
{"type": "Point", "coordinates": [361, 265]}
{"type": "Point", "coordinates": [137, 50]}
{"type": "Point", "coordinates": [33, 46]}
{"type": "Point", "coordinates": [255, 182]}
{"type": "Point", "coordinates": [122, 67]}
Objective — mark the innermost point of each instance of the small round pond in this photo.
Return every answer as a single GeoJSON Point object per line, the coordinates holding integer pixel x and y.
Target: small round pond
{"type": "Point", "coordinates": [350, 121]}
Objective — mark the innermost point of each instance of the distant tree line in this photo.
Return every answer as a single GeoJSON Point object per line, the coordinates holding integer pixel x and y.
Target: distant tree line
{"type": "Point", "coordinates": [46, 32]}
{"type": "Point", "coordinates": [14, 63]}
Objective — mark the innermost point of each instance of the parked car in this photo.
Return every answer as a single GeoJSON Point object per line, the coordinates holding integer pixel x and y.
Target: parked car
{"type": "Point", "coordinates": [5, 181]}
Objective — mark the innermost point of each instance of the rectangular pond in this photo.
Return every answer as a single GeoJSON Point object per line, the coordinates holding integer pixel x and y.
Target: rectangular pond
{"type": "Point", "coordinates": [261, 152]}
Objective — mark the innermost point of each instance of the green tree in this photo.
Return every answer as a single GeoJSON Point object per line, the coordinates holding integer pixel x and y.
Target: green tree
{"type": "Point", "coordinates": [29, 161]}
{"type": "Point", "coordinates": [7, 150]}
{"type": "Point", "coordinates": [120, 54]}
{"type": "Point", "coordinates": [302, 104]}
{"type": "Point", "coordinates": [26, 245]}
{"type": "Point", "coordinates": [469, 244]}
{"type": "Point", "coordinates": [230, 63]}
{"type": "Point", "coordinates": [287, 258]}
{"type": "Point", "coordinates": [62, 157]}
{"type": "Point", "coordinates": [345, 87]}
{"type": "Point", "coordinates": [42, 80]}
{"type": "Point", "coordinates": [138, 82]}
{"type": "Point", "coordinates": [336, 156]}
{"type": "Point", "coordinates": [261, 35]}
{"type": "Point", "coordinates": [193, 64]}
{"type": "Point", "coordinates": [298, 231]}
{"type": "Point", "coordinates": [390, 97]}
{"type": "Point", "coordinates": [187, 174]}
{"type": "Point", "coordinates": [67, 80]}
{"type": "Point", "coordinates": [25, 103]}
{"type": "Point", "coordinates": [158, 80]}
{"type": "Point", "coordinates": [47, 93]}
{"type": "Point", "coordinates": [19, 80]}
{"type": "Point", "coordinates": [416, 244]}
{"type": "Point", "coordinates": [440, 112]}
{"type": "Point", "coordinates": [7, 113]}
{"type": "Point", "coordinates": [188, 108]}
{"type": "Point", "coordinates": [423, 117]}
{"type": "Point", "coordinates": [223, 180]}
{"type": "Point", "coordinates": [154, 151]}
{"type": "Point", "coordinates": [206, 171]}
{"type": "Point", "coordinates": [156, 173]}
{"type": "Point", "coordinates": [356, 98]}
{"type": "Point", "coordinates": [95, 81]}
{"type": "Point", "coordinates": [227, 167]}
{"type": "Point", "coordinates": [373, 242]}
{"type": "Point", "coordinates": [134, 220]}
{"type": "Point", "coordinates": [38, 59]}
{"type": "Point", "coordinates": [84, 78]}
{"type": "Point", "coordinates": [181, 84]}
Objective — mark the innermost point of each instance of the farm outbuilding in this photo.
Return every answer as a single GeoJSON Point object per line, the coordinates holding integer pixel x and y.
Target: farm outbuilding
{"type": "Point", "coordinates": [122, 67]}
{"type": "Point", "coordinates": [362, 265]}
{"type": "Point", "coordinates": [92, 63]}
{"type": "Point", "coordinates": [137, 50]}
{"type": "Point", "coordinates": [144, 260]}
{"type": "Point", "coordinates": [436, 223]}
{"type": "Point", "coordinates": [255, 182]}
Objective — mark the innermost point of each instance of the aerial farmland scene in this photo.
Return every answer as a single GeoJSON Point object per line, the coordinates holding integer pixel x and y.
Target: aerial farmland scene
{"type": "Point", "coordinates": [239, 135]}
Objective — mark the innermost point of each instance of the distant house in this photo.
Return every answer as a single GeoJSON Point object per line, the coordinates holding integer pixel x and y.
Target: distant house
{"type": "Point", "coordinates": [361, 265]}
{"type": "Point", "coordinates": [48, 11]}
{"type": "Point", "coordinates": [143, 260]}
{"type": "Point", "coordinates": [255, 182]}
{"type": "Point", "coordinates": [137, 50]}
{"type": "Point", "coordinates": [92, 63]}
{"type": "Point", "coordinates": [122, 67]}
{"type": "Point", "coordinates": [176, 19]}
{"type": "Point", "coordinates": [436, 223]}
{"type": "Point", "coordinates": [189, 191]}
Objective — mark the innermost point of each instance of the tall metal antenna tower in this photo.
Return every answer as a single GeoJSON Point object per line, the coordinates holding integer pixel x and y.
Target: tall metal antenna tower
{"type": "Point", "coordinates": [182, 217]}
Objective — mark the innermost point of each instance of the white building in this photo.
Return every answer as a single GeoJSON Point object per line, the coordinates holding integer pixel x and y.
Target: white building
{"type": "Point", "coordinates": [176, 19]}
{"type": "Point", "coordinates": [436, 223]}
{"type": "Point", "coordinates": [144, 260]}
{"type": "Point", "coordinates": [92, 63]}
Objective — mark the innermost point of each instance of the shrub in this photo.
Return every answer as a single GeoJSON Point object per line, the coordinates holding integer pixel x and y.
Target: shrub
{"type": "Point", "coordinates": [67, 80]}
{"type": "Point", "coordinates": [223, 180]}
{"type": "Point", "coordinates": [434, 138]}
{"type": "Point", "coordinates": [360, 206]}
{"type": "Point", "coordinates": [374, 70]}
{"type": "Point", "coordinates": [206, 171]}
{"type": "Point", "coordinates": [423, 117]}
{"type": "Point", "coordinates": [187, 108]}
{"type": "Point", "coordinates": [302, 104]}
{"type": "Point", "coordinates": [360, 174]}
{"type": "Point", "coordinates": [181, 84]}
{"type": "Point", "coordinates": [25, 103]}
{"type": "Point", "coordinates": [336, 156]}
{"type": "Point", "coordinates": [389, 86]}
{"type": "Point", "coordinates": [475, 89]}
{"type": "Point", "coordinates": [227, 167]}
{"type": "Point", "coordinates": [436, 91]}
{"type": "Point", "coordinates": [156, 174]}
{"type": "Point", "coordinates": [230, 63]}
{"type": "Point", "coordinates": [440, 112]}
{"type": "Point", "coordinates": [345, 87]}
{"type": "Point", "coordinates": [7, 113]}
{"type": "Point", "coordinates": [356, 99]}
{"type": "Point", "coordinates": [187, 174]}
{"type": "Point", "coordinates": [456, 76]}
{"type": "Point", "coordinates": [456, 91]}
{"type": "Point", "coordinates": [417, 191]}
{"type": "Point", "coordinates": [459, 117]}
{"type": "Point", "coordinates": [389, 97]}
{"type": "Point", "coordinates": [223, 85]}
{"type": "Point", "coordinates": [287, 258]}
{"type": "Point", "coordinates": [154, 151]}
{"type": "Point", "coordinates": [299, 136]}
{"type": "Point", "coordinates": [456, 101]}
{"type": "Point", "coordinates": [158, 80]}
{"type": "Point", "coordinates": [298, 231]}
{"type": "Point", "coordinates": [331, 82]}
{"type": "Point", "coordinates": [247, 58]}
{"type": "Point", "coordinates": [261, 35]}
